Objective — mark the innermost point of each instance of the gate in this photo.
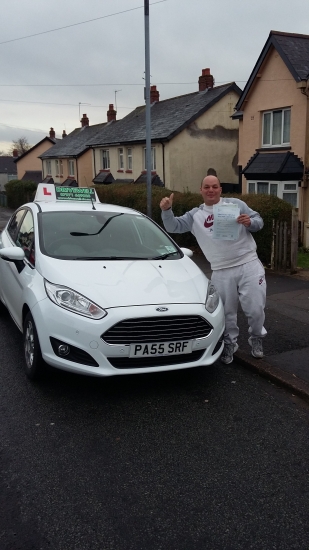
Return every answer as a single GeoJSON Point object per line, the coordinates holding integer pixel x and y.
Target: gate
{"type": "Point", "coordinates": [285, 244]}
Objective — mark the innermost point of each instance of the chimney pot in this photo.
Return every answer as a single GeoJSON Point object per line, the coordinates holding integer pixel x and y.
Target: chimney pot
{"type": "Point", "coordinates": [154, 94]}
{"type": "Point", "coordinates": [64, 134]}
{"type": "Point", "coordinates": [15, 153]}
{"type": "Point", "coordinates": [84, 121]}
{"type": "Point", "coordinates": [111, 113]}
{"type": "Point", "coordinates": [52, 133]}
{"type": "Point", "coordinates": [206, 80]}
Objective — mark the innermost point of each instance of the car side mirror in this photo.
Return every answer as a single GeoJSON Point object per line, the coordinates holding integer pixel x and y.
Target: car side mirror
{"type": "Point", "coordinates": [187, 252]}
{"type": "Point", "coordinates": [13, 254]}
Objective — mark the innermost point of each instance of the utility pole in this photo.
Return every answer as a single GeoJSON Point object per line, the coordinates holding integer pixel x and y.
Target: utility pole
{"type": "Point", "coordinates": [148, 120]}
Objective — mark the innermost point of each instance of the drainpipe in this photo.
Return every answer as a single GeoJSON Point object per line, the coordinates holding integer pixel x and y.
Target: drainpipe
{"type": "Point", "coordinates": [77, 171]}
{"type": "Point", "coordinates": [94, 164]}
{"type": "Point", "coordinates": [305, 91]}
{"type": "Point", "coordinates": [163, 160]}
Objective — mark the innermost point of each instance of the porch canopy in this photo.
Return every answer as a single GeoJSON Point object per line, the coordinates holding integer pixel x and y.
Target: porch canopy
{"type": "Point", "coordinates": [279, 166]}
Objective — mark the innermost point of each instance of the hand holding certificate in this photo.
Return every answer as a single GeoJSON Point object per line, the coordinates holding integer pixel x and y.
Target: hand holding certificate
{"type": "Point", "coordinates": [225, 226]}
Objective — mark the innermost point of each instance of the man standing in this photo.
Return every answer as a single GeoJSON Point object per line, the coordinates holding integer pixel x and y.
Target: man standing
{"type": "Point", "coordinates": [237, 274]}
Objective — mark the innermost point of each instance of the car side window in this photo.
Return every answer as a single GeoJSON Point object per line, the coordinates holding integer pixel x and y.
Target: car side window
{"type": "Point", "coordinates": [25, 237]}
{"type": "Point", "coordinates": [14, 223]}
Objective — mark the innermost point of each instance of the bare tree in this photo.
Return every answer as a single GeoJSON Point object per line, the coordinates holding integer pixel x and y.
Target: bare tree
{"type": "Point", "coordinates": [21, 145]}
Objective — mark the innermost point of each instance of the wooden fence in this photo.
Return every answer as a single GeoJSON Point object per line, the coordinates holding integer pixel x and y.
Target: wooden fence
{"type": "Point", "coordinates": [285, 244]}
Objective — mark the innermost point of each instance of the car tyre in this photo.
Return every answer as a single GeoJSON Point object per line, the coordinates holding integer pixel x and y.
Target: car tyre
{"type": "Point", "coordinates": [34, 364]}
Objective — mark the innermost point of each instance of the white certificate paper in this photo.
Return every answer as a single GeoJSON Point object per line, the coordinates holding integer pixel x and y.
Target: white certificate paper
{"type": "Point", "coordinates": [226, 227]}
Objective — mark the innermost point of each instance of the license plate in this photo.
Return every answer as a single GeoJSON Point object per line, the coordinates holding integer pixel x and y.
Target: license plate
{"type": "Point", "coordinates": [151, 349]}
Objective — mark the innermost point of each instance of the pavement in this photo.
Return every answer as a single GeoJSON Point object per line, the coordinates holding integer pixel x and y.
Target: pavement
{"type": "Point", "coordinates": [286, 346]}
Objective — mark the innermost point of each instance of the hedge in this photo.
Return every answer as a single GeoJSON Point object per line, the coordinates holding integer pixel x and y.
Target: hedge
{"type": "Point", "coordinates": [19, 192]}
{"type": "Point", "coordinates": [135, 196]}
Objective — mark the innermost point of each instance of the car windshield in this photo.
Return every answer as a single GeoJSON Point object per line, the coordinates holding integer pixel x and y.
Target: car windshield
{"type": "Point", "coordinates": [103, 235]}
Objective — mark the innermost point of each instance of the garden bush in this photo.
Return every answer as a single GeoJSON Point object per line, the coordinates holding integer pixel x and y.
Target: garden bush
{"type": "Point", "coordinates": [135, 196]}
{"type": "Point", "coordinates": [19, 192]}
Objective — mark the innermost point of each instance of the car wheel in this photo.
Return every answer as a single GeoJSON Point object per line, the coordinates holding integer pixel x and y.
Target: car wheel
{"type": "Point", "coordinates": [34, 364]}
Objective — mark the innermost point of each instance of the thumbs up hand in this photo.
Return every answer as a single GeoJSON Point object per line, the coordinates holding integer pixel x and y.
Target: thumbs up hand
{"type": "Point", "coordinates": [167, 202]}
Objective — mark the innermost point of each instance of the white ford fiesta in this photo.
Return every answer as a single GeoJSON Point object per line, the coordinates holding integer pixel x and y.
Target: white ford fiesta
{"type": "Point", "coordinates": [102, 290]}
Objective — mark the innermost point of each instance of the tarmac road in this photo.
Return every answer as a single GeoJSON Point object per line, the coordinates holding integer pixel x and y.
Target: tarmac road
{"type": "Point", "coordinates": [214, 458]}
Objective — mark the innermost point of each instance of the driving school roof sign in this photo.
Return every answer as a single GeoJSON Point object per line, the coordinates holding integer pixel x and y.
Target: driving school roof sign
{"type": "Point", "coordinates": [48, 192]}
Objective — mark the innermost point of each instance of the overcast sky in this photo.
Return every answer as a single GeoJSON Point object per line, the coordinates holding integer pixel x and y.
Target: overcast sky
{"type": "Point", "coordinates": [51, 79]}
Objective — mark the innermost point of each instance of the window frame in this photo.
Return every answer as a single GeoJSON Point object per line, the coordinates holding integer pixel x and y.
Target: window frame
{"type": "Point", "coordinates": [48, 168]}
{"type": "Point", "coordinates": [105, 157]}
{"type": "Point", "coordinates": [153, 159]}
{"type": "Point", "coordinates": [282, 188]}
{"type": "Point", "coordinates": [120, 158]}
{"type": "Point", "coordinates": [271, 113]}
{"type": "Point", "coordinates": [71, 167]}
{"type": "Point", "coordinates": [129, 158]}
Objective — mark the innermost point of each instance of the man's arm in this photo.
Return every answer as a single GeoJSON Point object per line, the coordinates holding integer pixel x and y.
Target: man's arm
{"type": "Point", "coordinates": [249, 218]}
{"type": "Point", "coordinates": [172, 224]}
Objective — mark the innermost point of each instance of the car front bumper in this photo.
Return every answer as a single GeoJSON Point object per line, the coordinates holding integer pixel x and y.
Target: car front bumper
{"type": "Point", "coordinates": [85, 334]}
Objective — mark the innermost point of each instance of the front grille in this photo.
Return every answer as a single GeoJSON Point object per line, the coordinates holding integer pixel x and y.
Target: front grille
{"type": "Point", "coordinates": [157, 329]}
{"type": "Point", "coordinates": [144, 362]}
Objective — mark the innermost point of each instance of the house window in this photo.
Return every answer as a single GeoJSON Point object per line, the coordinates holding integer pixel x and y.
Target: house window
{"type": "Point", "coordinates": [48, 167]}
{"type": "Point", "coordinates": [105, 159]}
{"type": "Point", "coordinates": [276, 128]}
{"type": "Point", "coordinates": [120, 159]}
{"type": "Point", "coordinates": [61, 167]}
{"type": "Point", "coordinates": [262, 188]}
{"type": "Point", "coordinates": [71, 168]}
{"type": "Point", "coordinates": [153, 158]}
{"type": "Point", "coordinates": [285, 191]}
{"type": "Point", "coordinates": [57, 168]}
{"type": "Point", "coordinates": [129, 159]}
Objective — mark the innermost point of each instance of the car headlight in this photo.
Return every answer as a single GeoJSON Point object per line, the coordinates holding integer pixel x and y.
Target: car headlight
{"type": "Point", "coordinates": [73, 301]}
{"type": "Point", "coordinates": [212, 298]}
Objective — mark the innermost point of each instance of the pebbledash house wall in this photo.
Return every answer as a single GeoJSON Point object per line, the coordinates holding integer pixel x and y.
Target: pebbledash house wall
{"type": "Point", "coordinates": [210, 142]}
{"type": "Point", "coordinates": [84, 172]}
{"type": "Point", "coordinates": [275, 88]}
{"type": "Point", "coordinates": [31, 160]}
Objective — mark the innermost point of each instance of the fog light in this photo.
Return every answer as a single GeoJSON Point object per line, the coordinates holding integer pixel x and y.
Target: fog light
{"type": "Point", "coordinates": [63, 350]}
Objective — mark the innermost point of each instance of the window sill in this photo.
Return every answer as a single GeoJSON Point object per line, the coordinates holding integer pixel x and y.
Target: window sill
{"type": "Point", "coordinates": [275, 148]}
{"type": "Point", "coordinates": [129, 171]}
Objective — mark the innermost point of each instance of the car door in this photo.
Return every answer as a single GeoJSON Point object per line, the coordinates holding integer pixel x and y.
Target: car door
{"type": "Point", "coordinates": [16, 276]}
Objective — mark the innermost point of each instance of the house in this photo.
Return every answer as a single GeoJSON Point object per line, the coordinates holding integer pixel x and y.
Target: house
{"type": "Point", "coordinates": [8, 169]}
{"type": "Point", "coordinates": [190, 134]}
{"type": "Point", "coordinates": [70, 161]}
{"type": "Point", "coordinates": [29, 165]}
{"type": "Point", "coordinates": [273, 114]}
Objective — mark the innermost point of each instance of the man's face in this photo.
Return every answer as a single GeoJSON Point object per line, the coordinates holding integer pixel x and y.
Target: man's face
{"type": "Point", "coordinates": [211, 191]}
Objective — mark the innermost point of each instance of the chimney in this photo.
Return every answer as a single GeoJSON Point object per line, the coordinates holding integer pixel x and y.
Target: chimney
{"type": "Point", "coordinates": [111, 113]}
{"type": "Point", "coordinates": [15, 153]}
{"type": "Point", "coordinates": [64, 134]}
{"type": "Point", "coordinates": [206, 80]}
{"type": "Point", "coordinates": [154, 94]}
{"type": "Point", "coordinates": [52, 133]}
{"type": "Point", "coordinates": [84, 121]}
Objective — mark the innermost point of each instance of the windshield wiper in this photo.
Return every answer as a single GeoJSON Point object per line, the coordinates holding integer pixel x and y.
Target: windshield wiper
{"type": "Point", "coordinates": [164, 255]}
{"type": "Point", "coordinates": [77, 234]}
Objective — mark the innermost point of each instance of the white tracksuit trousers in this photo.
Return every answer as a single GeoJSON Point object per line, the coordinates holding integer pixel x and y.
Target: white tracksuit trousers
{"type": "Point", "coordinates": [245, 284]}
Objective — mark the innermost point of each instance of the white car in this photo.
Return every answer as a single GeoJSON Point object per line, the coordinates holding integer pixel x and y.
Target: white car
{"type": "Point", "coordinates": [102, 290]}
